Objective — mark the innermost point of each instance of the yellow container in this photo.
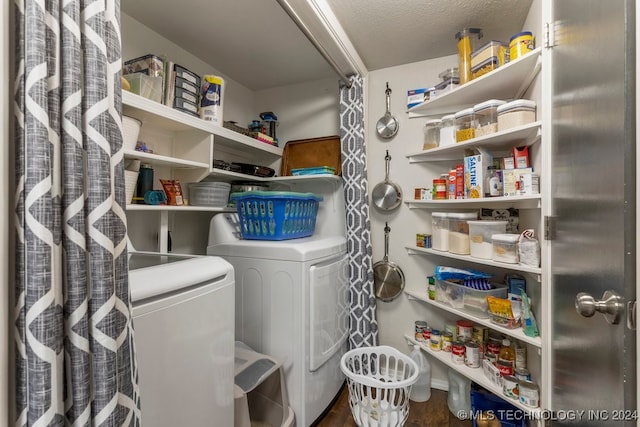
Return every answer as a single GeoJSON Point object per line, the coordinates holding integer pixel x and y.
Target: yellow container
{"type": "Point", "coordinates": [520, 44]}
{"type": "Point", "coordinates": [467, 43]}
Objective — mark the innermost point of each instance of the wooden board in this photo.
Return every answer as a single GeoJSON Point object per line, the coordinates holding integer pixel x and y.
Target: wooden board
{"type": "Point", "coordinates": [313, 152]}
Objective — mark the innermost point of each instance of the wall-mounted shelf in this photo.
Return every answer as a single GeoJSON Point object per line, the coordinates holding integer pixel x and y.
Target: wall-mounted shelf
{"type": "Point", "coordinates": [507, 82]}
{"type": "Point", "coordinates": [521, 202]}
{"type": "Point", "coordinates": [164, 208]}
{"type": "Point", "coordinates": [414, 250]}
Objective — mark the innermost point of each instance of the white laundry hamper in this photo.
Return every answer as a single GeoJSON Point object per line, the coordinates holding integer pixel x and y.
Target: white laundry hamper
{"type": "Point", "coordinates": [379, 380]}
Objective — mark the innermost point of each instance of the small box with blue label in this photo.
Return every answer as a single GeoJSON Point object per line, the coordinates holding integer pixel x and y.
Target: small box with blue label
{"type": "Point", "coordinates": [417, 96]}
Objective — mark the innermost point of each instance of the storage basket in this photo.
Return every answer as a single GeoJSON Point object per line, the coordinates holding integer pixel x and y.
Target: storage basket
{"type": "Point", "coordinates": [276, 215]}
{"type": "Point", "coordinates": [211, 194]}
{"type": "Point", "coordinates": [379, 380]}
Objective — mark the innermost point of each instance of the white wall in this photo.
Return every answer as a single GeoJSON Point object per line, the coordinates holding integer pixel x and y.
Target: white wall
{"type": "Point", "coordinates": [397, 318]}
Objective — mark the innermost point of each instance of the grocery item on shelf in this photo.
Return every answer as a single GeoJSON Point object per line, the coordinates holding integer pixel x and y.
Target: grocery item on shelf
{"type": "Point", "coordinates": [465, 124]}
{"type": "Point", "coordinates": [529, 248]}
{"type": "Point", "coordinates": [440, 231]}
{"type": "Point", "coordinates": [459, 232]}
{"type": "Point", "coordinates": [486, 116]}
{"type": "Point", "coordinates": [466, 298]}
{"type": "Point", "coordinates": [520, 44]}
{"type": "Point", "coordinates": [467, 42]}
{"type": "Point", "coordinates": [491, 49]}
{"type": "Point", "coordinates": [516, 113]}
{"type": "Point", "coordinates": [505, 247]}
{"type": "Point", "coordinates": [432, 134]}
{"type": "Point", "coordinates": [475, 168]}
{"type": "Point", "coordinates": [447, 130]}
{"type": "Point", "coordinates": [480, 236]}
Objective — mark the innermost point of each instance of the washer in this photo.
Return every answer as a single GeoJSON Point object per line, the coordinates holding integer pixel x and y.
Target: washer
{"type": "Point", "coordinates": [184, 337]}
{"type": "Point", "coordinates": [291, 304]}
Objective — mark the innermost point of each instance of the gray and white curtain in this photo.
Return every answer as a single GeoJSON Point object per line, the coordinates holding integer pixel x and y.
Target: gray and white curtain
{"type": "Point", "coordinates": [74, 352]}
{"type": "Point", "coordinates": [363, 323]}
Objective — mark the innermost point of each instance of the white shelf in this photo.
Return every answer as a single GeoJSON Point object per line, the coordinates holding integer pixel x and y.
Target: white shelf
{"type": "Point", "coordinates": [522, 202]}
{"type": "Point", "coordinates": [515, 333]}
{"type": "Point", "coordinates": [162, 208]}
{"type": "Point", "coordinates": [414, 250]}
{"type": "Point", "coordinates": [156, 159]}
{"type": "Point", "coordinates": [528, 134]}
{"type": "Point", "coordinates": [474, 374]}
{"type": "Point", "coordinates": [154, 114]}
{"type": "Point", "coordinates": [507, 82]}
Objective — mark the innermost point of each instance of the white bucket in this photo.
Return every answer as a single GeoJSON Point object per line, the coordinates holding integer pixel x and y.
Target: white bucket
{"type": "Point", "coordinates": [130, 132]}
{"type": "Point", "coordinates": [130, 181]}
{"type": "Point", "coordinates": [211, 97]}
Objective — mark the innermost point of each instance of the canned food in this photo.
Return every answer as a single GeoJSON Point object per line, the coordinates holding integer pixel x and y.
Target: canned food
{"type": "Point", "coordinates": [505, 368]}
{"type": "Point", "coordinates": [420, 325]}
{"type": "Point", "coordinates": [447, 340]}
{"type": "Point", "coordinates": [464, 330]}
{"type": "Point", "coordinates": [457, 352]}
{"type": "Point", "coordinates": [520, 44]}
{"type": "Point", "coordinates": [472, 355]}
{"type": "Point", "coordinates": [522, 374]}
{"type": "Point", "coordinates": [449, 327]}
{"type": "Point", "coordinates": [510, 387]}
{"type": "Point", "coordinates": [426, 334]}
{"type": "Point", "coordinates": [436, 340]}
{"type": "Point", "coordinates": [493, 345]}
{"type": "Point", "coordinates": [480, 334]}
{"type": "Point", "coordinates": [529, 394]}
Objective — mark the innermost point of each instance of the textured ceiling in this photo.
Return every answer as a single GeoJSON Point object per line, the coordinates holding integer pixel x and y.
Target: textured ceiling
{"type": "Point", "coordinates": [255, 43]}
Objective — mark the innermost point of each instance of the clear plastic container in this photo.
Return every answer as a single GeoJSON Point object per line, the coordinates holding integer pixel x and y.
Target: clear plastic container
{"type": "Point", "coordinates": [468, 40]}
{"type": "Point", "coordinates": [447, 130]}
{"type": "Point", "coordinates": [480, 240]}
{"type": "Point", "coordinates": [505, 248]}
{"type": "Point", "coordinates": [459, 232]}
{"type": "Point", "coordinates": [486, 51]}
{"type": "Point", "coordinates": [486, 116]}
{"type": "Point", "coordinates": [465, 125]}
{"type": "Point", "coordinates": [432, 134]}
{"type": "Point", "coordinates": [449, 73]}
{"type": "Point", "coordinates": [440, 231]}
{"type": "Point", "coordinates": [516, 113]}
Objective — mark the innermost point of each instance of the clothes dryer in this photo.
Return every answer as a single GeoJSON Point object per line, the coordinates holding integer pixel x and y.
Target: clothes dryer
{"type": "Point", "coordinates": [291, 304]}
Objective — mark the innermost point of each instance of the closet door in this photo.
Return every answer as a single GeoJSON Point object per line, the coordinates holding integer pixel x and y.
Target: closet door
{"type": "Point", "coordinates": [593, 240]}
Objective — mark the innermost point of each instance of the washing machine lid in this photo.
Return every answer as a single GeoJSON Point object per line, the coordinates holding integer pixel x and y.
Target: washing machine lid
{"type": "Point", "coordinates": [305, 249]}
{"type": "Point", "coordinates": [152, 274]}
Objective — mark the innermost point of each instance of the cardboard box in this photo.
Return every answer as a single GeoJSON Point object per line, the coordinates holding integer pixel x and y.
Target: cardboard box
{"type": "Point", "coordinates": [475, 169]}
{"type": "Point", "coordinates": [521, 157]}
{"type": "Point", "coordinates": [417, 96]}
{"type": "Point", "coordinates": [511, 181]}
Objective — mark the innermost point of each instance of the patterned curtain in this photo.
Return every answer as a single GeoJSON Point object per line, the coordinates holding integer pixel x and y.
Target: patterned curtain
{"type": "Point", "coordinates": [74, 352]}
{"type": "Point", "coordinates": [363, 323]}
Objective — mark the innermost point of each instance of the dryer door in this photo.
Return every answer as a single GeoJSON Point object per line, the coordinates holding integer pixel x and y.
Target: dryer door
{"type": "Point", "coordinates": [328, 310]}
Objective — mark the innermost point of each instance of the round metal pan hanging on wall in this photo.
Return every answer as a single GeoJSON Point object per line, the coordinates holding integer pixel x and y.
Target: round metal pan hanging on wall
{"type": "Point", "coordinates": [387, 126]}
{"type": "Point", "coordinates": [386, 195]}
{"type": "Point", "coordinates": [387, 276]}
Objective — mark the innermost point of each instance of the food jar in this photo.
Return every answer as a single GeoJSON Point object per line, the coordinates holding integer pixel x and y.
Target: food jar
{"type": "Point", "coordinates": [440, 231]}
{"type": "Point", "coordinates": [520, 44]}
{"type": "Point", "coordinates": [447, 130]}
{"type": "Point", "coordinates": [468, 41]}
{"type": "Point", "coordinates": [459, 232]}
{"type": "Point", "coordinates": [516, 113]}
{"type": "Point", "coordinates": [505, 248]}
{"type": "Point", "coordinates": [480, 236]}
{"type": "Point", "coordinates": [432, 134]}
{"type": "Point", "coordinates": [486, 115]}
{"type": "Point", "coordinates": [465, 125]}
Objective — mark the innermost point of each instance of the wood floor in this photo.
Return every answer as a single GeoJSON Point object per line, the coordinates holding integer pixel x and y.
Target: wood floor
{"type": "Point", "coordinates": [432, 413]}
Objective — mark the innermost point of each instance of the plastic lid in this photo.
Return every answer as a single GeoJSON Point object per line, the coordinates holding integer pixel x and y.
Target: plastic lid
{"type": "Point", "coordinates": [522, 33]}
{"type": "Point", "coordinates": [440, 214]}
{"type": "Point", "coordinates": [492, 103]}
{"type": "Point", "coordinates": [488, 45]}
{"type": "Point", "coordinates": [469, 31]}
{"type": "Point", "coordinates": [491, 60]}
{"type": "Point", "coordinates": [487, 221]}
{"type": "Point", "coordinates": [463, 215]}
{"type": "Point", "coordinates": [434, 122]}
{"type": "Point", "coordinates": [448, 117]}
{"type": "Point", "coordinates": [464, 113]}
{"type": "Point", "coordinates": [525, 104]}
{"type": "Point", "coordinates": [506, 238]}
{"type": "Point", "coordinates": [506, 342]}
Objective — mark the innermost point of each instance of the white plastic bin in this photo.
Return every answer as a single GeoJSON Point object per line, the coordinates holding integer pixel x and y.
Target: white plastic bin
{"type": "Point", "coordinates": [440, 231]}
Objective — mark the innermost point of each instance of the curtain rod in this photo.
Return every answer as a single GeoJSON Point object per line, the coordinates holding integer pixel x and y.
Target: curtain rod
{"type": "Point", "coordinates": [294, 16]}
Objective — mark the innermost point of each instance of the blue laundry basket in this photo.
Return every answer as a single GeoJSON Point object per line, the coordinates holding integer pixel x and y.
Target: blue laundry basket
{"type": "Point", "coordinates": [276, 215]}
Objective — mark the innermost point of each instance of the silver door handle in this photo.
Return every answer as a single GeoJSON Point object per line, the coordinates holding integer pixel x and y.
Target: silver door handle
{"type": "Point", "coordinates": [610, 305]}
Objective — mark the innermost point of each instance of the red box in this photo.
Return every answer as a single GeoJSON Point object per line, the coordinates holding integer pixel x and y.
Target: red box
{"type": "Point", "coordinates": [460, 181]}
{"type": "Point", "coordinates": [521, 157]}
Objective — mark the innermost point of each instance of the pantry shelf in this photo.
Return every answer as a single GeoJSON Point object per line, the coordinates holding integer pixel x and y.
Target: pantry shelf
{"type": "Point", "coordinates": [474, 374]}
{"type": "Point", "coordinates": [527, 135]}
{"type": "Point", "coordinates": [509, 81]}
{"type": "Point", "coordinates": [521, 202]}
{"type": "Point", "coordinates": [159, 160]}
{"type": "Point", "coordinates": [414, 250]}
{"type": "Point", "coordinates": [162, 208]}
{"type": "Point", "coordinates": [515, 333]}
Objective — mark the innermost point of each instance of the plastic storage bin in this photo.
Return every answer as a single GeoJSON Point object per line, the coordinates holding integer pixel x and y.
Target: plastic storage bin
{"type": "Point", "coordinates": [480, 241]}
{"type": "Point", "coordinates": [505, 247]}
{"type": "Point", "coordinates": [146, 86]}
{"type": "Point", "coordinates": [379, 380]}
{"type": "Point", "coordinates": [440, 231]}
{"type": "Point", "coordinates": [486, 115]}
{"type": "Point", "coordinates": [466, 298]}
{"type": "Point", "coordinates": [483, 400]}
{"type": "Point", "coordinates": [486, 66]}
{"type": "Point", "coordinates": [447, 130]}
{"type": "Point", "coordinates": [432, 134]}
{"type": "Point", "coordinates": [211, 194]}
{"type": "Point", "coordinates": [468, 40]}
{"type": "Point", "coordinates": [465, 125]}
{"type": "Point", "coordinates": [516, 113]}
{"type": "Point", "coordinates": [276, 215]}
{"type": "Point", "coordinates": [492, 49]}
{"type": "Point", "coordinates": [459, 232]}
